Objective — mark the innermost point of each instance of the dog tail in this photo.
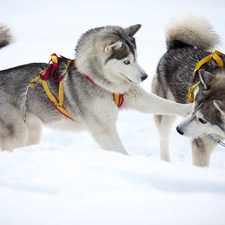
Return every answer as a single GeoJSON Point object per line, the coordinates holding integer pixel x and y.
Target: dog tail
{"type": "Point", "coordinates": [191, 31]}
{"type": "Point", "coordinates": [5, 36]}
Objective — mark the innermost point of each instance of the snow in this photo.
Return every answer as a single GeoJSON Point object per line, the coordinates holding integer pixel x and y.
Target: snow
{"type": "Point", "coordinates": [67, 178]}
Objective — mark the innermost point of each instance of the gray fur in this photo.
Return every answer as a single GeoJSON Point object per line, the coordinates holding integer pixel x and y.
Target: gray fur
{"type": "Point", "coordinates": [187, 44]}
{"type": "Point", "coordinates": [107, 55]}
{"type": "Point", "coordinates": [5, 34]}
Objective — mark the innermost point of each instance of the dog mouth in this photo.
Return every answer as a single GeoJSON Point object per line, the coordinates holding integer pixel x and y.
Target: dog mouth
{"type": "Point", "coordinates": [130, 81]}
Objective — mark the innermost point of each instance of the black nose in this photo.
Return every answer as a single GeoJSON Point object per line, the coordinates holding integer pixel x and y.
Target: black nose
{"type": "Point", "coordinates": [144, 76]}
{"type": "Point", "coordinates": [179, 131]}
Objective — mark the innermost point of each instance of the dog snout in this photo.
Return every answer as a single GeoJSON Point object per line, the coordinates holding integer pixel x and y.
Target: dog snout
{"type": "Point", "coordinates": [144, 76]}
{"type": "Point", "coordinates": [179, 131]}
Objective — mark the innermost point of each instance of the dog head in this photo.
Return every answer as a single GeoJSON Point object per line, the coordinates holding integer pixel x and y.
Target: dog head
{"type": "Point", "coordinates": [108, 55]}
{"type": "Point", "coordinates": [208, 116]}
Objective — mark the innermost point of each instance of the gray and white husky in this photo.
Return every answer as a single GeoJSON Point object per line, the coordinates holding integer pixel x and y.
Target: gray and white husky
{"type": "Point", "coordinates": [189, 40]}
{"type": "Point", "coordinates": [106, 63]}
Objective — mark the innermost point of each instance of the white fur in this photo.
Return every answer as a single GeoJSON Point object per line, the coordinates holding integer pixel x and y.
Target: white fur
{"type": "Point", "coordinates": [115, 46]}
{"type": "Point", "coordinates": [191, 126]}
{"type": "Point", "coordinates": [216, 104]}
{"type": "Point", "coordinates": [192, 30]}
{"type": "Point", "coordinates": [117, 70]}
{"type": "Point", "coordinates": [97, 115]}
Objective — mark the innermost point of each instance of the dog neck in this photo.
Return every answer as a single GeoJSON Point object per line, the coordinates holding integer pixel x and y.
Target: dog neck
{"type": "Point", "coordinates": [117, 98]}
{"type": "Point", "coordinates": [88, 78]}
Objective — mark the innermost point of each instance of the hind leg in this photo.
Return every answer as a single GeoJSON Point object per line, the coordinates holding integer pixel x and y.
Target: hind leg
{"type": "Point", "coordinates": [13, 134]}
{"type": "Point", "coordinates": [201, 150]}
{"type": "Point", "coordinates": [163, 124]}
{"type": "Point", "coordinates": [34, 125]}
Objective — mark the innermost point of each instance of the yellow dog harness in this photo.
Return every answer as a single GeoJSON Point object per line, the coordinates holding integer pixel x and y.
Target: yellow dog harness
{"type": "Point", "coordinates": [216, 55]}
{"type": "Point", "coordinates": [45, 75]}
{"type": "Point", "coordinates": [58, 102]}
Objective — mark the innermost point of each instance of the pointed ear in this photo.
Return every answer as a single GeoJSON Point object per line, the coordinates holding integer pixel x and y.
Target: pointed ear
{"type": "Point", "coordinates": [205, 78]}
{"type": "Point", "coordinates": [132, 30]}
{"type": "Point", "coordinates": [113, 46]}
{"type": "Point", "coordinates": [220, 106]}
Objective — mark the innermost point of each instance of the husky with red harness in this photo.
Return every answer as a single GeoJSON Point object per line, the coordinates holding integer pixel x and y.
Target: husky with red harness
{"type": "Point", "coordinates": [85, 93]}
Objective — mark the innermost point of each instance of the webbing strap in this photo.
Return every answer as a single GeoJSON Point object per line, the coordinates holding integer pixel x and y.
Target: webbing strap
{"type": "Point", "coordinates": [45, 75]}
{"type": "Point", "coordinates": [55, 101]}
{"type": "Point", "coordinates": [59, 102]}
{"type": "Point", "coordinates": [216, 55]}
{"type": "Point", "coordinates": [191, 91]}
{"type": "Point", "coordinates": [118, 99]}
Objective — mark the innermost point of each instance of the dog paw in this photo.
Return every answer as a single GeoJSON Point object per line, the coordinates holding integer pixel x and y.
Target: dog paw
{"type": "Point", "coordinates": [186, 109]}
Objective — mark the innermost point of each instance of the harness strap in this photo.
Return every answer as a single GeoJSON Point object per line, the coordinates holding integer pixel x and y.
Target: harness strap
{"type": "Point", "coordinates": [55, 101]}
{"type": "Point", "coordinates": [191, 91]}
{"type": "Point", "coordinates": [118, 99]}
{"type": "Point", "coordinates": [59, 102]}
{"type": "Point", "coordinates": [216, 55]}
{"type": "Point", "coordinates": [45, 75]}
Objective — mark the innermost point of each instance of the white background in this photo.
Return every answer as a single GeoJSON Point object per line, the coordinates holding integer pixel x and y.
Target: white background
{"type": "Point", "coordinates": [68, 179]}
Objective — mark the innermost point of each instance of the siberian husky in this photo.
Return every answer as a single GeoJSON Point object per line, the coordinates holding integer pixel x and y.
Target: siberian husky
{"type": "Point", "coordinates": [104, 68]}
{"type": "Point", "coordinates": [188, 63]}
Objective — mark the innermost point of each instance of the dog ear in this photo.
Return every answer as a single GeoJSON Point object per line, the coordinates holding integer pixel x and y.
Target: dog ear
{"type": "Point", "coordinates": [205, 78]}
{"type": "Point", "coordinates": [132, 30]}
{"type": "Point", "coordinates": [113, 46]}
{"type": "Point", "coordinates": [220, 106]}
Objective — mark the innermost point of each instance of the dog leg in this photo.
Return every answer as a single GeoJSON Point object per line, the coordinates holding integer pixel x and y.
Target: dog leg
{"type": "Point", "coordinates": [201, 151]}
{"type": "Point", "coordinates": [34, 125]}
{"type": "Point", "coordinates": [163, 124]}
{"type": "Point", "coordinates": [13, 135]}
{"type": "Point", "coordinates": [108, 139]}
{"type": "Point", "coordinates": [138, 99]}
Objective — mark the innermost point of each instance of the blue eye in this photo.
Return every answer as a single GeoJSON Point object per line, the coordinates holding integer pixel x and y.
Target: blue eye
{"type": "Point", "coordinates": [127, 62]}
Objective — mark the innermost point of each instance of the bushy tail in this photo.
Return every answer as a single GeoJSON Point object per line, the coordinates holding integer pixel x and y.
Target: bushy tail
{"type": "Point", "coordinates": [5, 36]}
{"type": "Point", "coordinates": [191, 30]}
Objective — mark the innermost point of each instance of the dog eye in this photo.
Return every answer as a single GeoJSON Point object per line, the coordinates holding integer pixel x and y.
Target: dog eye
{"type": "Point", "coordinates": [127, 62]}
{"type": "Point", "coordinates": [202, 121]}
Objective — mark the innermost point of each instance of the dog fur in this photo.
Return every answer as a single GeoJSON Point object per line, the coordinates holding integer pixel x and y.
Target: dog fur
{"type": "Point", "coordinates": [108, 57]}
{"type": "Point", "coordinates": [188, 41]}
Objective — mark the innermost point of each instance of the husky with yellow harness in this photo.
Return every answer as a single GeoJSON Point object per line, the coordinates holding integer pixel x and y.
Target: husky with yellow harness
{"type": "Point", "coordinates": [191, 71]}
{"type": "Point", "coordinates": [85, 93]}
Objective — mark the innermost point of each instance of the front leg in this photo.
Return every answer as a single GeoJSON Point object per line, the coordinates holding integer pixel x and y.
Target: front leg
{"type": "Point", "coordinates": [100, 119]}
{"type": "Point", "coordinates": [108, 138]}
{"type": "Point", "coordinates": [138, 99]}
{"type": "Point", "coordinates": [202, 149]}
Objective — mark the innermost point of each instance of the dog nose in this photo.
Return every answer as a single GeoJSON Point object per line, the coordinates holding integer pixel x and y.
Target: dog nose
{"type": "Point", "coordinates": [179, 131]}
{"type": "Point", "coordinates": [144, 76]}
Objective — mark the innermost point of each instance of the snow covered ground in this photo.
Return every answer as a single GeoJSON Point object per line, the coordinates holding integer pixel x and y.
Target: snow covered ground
{"type": "Point", "coordinates": [68, 179]}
